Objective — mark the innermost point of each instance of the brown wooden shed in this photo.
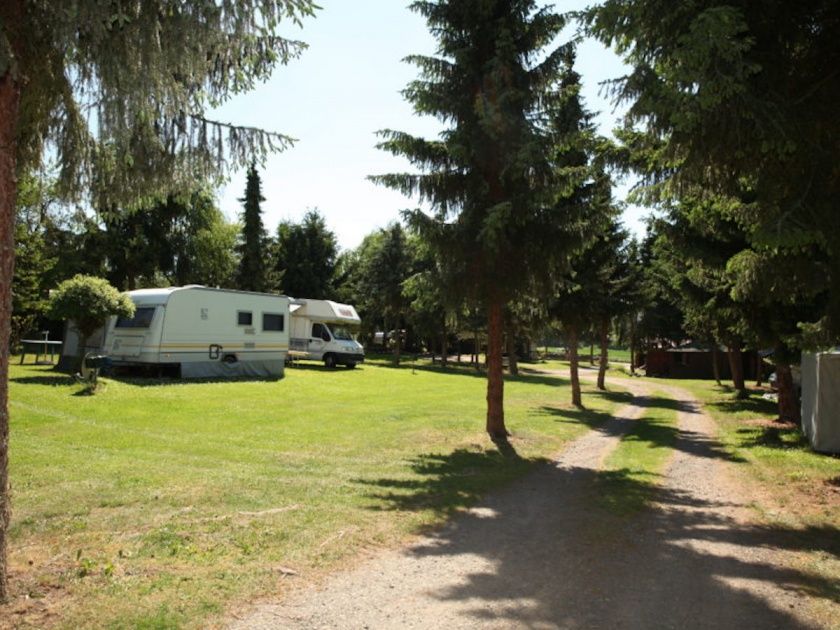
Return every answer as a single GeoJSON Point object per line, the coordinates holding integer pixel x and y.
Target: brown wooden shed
{"type": "Point", "coordinates": [693, 361]}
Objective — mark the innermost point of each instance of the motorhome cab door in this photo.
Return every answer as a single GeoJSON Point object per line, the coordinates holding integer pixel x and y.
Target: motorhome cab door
{"type": "Point", "coordinates": [319, 339]}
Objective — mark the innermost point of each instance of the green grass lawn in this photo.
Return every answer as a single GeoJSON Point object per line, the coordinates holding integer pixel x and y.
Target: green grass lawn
{"type": "Point", "coordinates": [163, 504]}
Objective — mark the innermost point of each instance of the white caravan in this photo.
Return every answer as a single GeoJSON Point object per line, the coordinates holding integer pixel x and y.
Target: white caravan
{"type": "Point", "coordinates": [205, 332]}
{"type": "Point", "coordinates": [323, 331]}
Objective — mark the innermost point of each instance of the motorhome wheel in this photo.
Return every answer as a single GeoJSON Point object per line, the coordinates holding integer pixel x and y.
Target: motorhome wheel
{"type": "Point", "coordinates": [350, 364]}
{"type": "Point", "coordinates": [329, 361]}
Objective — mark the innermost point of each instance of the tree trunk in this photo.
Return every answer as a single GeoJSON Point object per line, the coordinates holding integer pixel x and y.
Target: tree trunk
{"type": "Point", "coordinates": [495, 381]}
{"type": "Point", "coordinates": [633, 345]}
{"type": "Point", "coordinates": [715, 365]}
{"type": "Point", "coordinates": [736, 366]}
{"type": "Point", "coordinates": [605, 342]}
{"type": "Point", "coordinates": [81, 351]}
{"type": "Point", "coordinates": [477, 345]}
{"type": "Point", "coordinates": [592, 353]}
{"type": "Point", "coordinates": [11, 16]}
{"type": "Point", "coordinates": [759, 369]}
{"type": "Point", "coordinates": [398, 345]}
{"type": "Point", "coordinates": [789, 410]}
{"type": "Point", "coordinates": [572, 350]}
{"type": "Point", "coordinates": [444, 347]}
{"type": "Point", "coordinates": [513, 365]}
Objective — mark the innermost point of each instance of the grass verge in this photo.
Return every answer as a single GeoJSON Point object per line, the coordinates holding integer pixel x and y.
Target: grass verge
{"type": "Point", "coordinates": [803, 484]}
{"type": "Point", "coordinates": [796, 490]}
{"type": "Point", "coordinates": [632, 472]}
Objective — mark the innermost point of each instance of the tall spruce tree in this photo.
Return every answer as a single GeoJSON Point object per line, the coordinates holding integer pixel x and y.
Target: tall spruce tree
{"type": "Point", "coordinates": [489, 176]}
{"type": "Point", "coordinates": [119, 92]}
{"type": "Point", "coordinates": [740, 98]}
{"type": "Point", "coordinates": [252, 247]}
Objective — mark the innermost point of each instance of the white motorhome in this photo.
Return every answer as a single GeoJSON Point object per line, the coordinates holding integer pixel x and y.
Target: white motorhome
{"type": "Point", "coordinates": [205, 332]}
{"type": "Point", "coordinates": [324, 331]}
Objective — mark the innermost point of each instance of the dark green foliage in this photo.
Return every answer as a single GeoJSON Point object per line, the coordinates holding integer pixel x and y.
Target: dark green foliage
{"type": "Point", "coordinates": [435, 308]}
{"type": "Point", "coordinates": [387, 263]}
{"type": "Point", "coordinates": [252, 247]}
{"type": "Point", "coordinates": [660, 316]}
{"type": "Point", "coordinates": [597, 286]}
{"type": "Point", "coordinates": [33, 262]}
{"type": "Point", "coordinates": [181, 240]}
{"type": "Point", "coordinates": [740, 100]}
{"type": "Point", "coordinates": [696, 245]}
{"type": "Point", "coordinates": [306, 257]}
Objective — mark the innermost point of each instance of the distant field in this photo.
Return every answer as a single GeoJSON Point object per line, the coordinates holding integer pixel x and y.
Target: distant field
{"type": "Point", "coordinates": [620, 355]}
{"type": "Point", "coordinates": [162, 504]}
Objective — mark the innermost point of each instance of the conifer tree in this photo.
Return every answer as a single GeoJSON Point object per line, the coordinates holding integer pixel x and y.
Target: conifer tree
{"type": "Point", "coordinates": [740, 99]}
{"type": "Point", "coordinates": [489, 177]}
{"type": "Point", "coordinates": [697, 243]}
{"type": "Point", "coordinates": [252, 247]}
{"type": "Point", "coordinates": [306, 257]}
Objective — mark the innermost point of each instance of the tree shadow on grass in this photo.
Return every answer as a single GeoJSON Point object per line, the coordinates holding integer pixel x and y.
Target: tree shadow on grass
{"type": "Point", "coordinates": [772, 437]}
{"type": "Point", "coordinates": [754, 405]}
{"type": "Point", "coordinates": [316, 367]}
{"type": "Point", "coordinates": [555, 551]}
{"type": "Point", "coordinates": [447, 483]}
{"type": "Point", "coordinates": [51, 380]}
{"type": "Point", "coordinates": [533, 377]}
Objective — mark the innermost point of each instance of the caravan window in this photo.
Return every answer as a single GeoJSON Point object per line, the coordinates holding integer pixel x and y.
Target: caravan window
{"type": "Point", "coordinates": [273, 321]}
{"type": "Point", "coordinates": [142, 318]}
{"type": "Point", "coordinates": [244, 318]}
{"type": "Point", "coordinates": [319, 331]}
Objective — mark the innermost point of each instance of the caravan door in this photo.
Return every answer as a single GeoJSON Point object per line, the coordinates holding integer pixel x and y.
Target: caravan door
{"type": "Point", "coordinates": [131, 336]}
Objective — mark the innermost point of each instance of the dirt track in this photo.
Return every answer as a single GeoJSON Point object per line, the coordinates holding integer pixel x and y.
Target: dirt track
{"type": "Point", "coordinates": [542, 554]}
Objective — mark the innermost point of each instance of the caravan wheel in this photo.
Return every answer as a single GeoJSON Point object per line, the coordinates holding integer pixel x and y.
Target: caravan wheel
{"type": "Point", "coordinates": [329, 361]}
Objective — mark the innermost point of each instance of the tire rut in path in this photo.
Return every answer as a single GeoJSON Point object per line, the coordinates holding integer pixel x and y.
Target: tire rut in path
{"type": "Point", "coordinates": [543, 554]}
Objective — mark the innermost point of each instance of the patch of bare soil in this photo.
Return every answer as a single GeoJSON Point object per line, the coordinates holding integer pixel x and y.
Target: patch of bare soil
{"type": "Point", "coordinates": [35, 602]}
{"type": "Point", "coordinates": [543, 554]}
{"type": "Point", "coordinates": [771, 423]}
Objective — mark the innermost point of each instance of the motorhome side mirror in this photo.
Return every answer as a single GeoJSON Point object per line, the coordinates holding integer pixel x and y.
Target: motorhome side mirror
{"type": "Point", "coordinates": [325, 336]}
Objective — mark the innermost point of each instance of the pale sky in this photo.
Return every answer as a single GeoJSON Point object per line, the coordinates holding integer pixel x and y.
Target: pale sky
{"type": "Point", "coordinates": [343, 88]}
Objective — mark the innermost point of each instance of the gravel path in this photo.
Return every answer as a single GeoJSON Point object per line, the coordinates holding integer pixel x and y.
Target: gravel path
{"type": "Point", "coordinates": [542, 554]}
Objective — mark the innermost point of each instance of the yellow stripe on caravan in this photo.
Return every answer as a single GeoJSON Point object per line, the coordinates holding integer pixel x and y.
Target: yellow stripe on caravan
{"type": "Point", "coordinates": [274, 346]}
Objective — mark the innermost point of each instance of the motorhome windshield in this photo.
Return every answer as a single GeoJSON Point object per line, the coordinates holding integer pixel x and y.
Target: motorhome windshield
{"type": "Point", "coordinates": [142, 318]}
{"type": "Point", "coordinates": [341, 333]}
